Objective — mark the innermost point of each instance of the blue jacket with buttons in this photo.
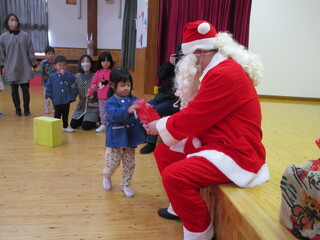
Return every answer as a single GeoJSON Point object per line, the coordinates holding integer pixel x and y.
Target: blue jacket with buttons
{"type": "Point", "coordinates": [58, 88]}
{"type": "Point", "coordinates": [123, 129]}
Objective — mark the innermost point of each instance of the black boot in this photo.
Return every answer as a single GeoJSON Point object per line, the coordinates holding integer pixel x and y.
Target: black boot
{"type": "Point", "coordinates": [148, 148]}
{"type": "Point", "coordinates": [163, 212]}
{"type": "Point", "coordinates": [18, 112]}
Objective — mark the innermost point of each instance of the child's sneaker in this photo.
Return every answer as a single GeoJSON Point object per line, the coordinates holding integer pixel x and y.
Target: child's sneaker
{"type": "Point", "coordinates": [106, 182]}
{"type": "Point", "coordinates": [101, 128]}
{"type": "Point", "coordinates": [128, 191]}
{"type": "Point", "coordinates": [68, 129]}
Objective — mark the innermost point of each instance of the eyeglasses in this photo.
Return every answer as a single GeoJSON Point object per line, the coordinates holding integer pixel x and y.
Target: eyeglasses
{"type": "Point", "coordinates": [180, 54]}
{"type": "Point", "coordinates": [207, 53]}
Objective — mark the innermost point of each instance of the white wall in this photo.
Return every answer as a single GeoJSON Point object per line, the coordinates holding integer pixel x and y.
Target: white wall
{"type": "Point", "coordinates": [66, 30]}
{"type": "Point", "coordinates": [285, 34]}
{"type": "Point", "coordinates": [109, 24]}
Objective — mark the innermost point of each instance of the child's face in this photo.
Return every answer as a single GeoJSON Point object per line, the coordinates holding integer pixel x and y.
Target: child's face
{"type": "Point", "coordinates": [105, 64]}
{"type": "Point", "coordinates": [50, 56]}
{"type": "Point", "coordinates": [61, 67]}
{"type": "Point", "coordinates": [123, 89]}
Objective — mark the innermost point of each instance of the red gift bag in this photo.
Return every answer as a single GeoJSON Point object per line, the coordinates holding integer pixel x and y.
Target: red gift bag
{"type": "Point", "coordinates": [146, 113]}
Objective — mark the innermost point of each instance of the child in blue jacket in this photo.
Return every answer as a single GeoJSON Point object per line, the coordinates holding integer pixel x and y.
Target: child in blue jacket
{"type": "Point", "coordinates": [124, 131]}
{"type": "Point", "coordinates": [59, 90]}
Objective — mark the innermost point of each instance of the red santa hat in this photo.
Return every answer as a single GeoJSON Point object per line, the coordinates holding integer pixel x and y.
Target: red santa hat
{"type": "Point", "coordinates": [198, 35]}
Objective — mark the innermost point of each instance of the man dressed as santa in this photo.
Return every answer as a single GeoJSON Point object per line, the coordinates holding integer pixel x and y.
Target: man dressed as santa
{"type": "Point", "coordinates": [216, 137]}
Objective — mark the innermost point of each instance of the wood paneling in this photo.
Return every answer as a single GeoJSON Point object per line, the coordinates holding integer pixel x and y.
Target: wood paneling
{"type": "Point", "coordinates": [151, 51]}
{"type": "Point", "coordinates": [75, 53]}
{"type": "Point", "coordinates": [139, 73]}
{"type": "Point", "coordinates": [92, 6]}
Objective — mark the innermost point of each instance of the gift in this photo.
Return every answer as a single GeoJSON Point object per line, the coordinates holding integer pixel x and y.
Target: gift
{"type": "Point", "coordinates": [145, 113]}
{"type": "Point", "coordinates": [47, 131]}
{"type": "Point", "coordinates": [300, 202]}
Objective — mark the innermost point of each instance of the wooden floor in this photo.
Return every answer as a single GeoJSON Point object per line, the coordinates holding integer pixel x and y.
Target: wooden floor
{"type": "Point", "coordinates": [56, 193]}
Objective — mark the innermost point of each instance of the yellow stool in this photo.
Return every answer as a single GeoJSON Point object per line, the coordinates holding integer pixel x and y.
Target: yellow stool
{"type": "Point", "coordinates": [47, 131]}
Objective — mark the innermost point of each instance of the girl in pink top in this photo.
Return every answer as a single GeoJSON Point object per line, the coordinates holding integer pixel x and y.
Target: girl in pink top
{"type": "Point", "coordinates": [100, 85]}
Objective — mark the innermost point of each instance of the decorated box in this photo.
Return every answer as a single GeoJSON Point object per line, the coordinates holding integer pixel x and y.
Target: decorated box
{"type": "Point", "coordinates": [47, 131]}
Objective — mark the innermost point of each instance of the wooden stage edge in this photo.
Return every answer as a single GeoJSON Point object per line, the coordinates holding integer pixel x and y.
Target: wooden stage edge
{"type": "Point", "coordinates": [236, 215]}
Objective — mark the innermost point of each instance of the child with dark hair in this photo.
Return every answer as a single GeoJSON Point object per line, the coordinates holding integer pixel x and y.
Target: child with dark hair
{"type": "Point", "coordinates": [47, 68]}
{"type": "Point", "coordinates": [124, 131]}
{"type": "Point", "coordinates": [100, 85]}
{"type": "Point", "coordinates": [59, 90]}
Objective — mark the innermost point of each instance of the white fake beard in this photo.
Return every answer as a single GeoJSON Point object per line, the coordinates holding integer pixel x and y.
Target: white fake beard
{"type": "Point", "coordinates": [187, 79]}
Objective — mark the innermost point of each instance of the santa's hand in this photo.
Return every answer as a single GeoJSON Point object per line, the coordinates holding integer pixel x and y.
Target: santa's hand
{"type": "Point", "coordinates": [152, 128]}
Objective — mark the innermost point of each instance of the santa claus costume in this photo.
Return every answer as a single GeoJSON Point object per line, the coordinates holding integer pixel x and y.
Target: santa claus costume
{"type": "Point", "coordinates": [216, 137]}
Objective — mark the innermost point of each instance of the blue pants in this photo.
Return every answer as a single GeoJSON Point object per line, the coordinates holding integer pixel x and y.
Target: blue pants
{"type": "Point", "coordinates": [164, 109]}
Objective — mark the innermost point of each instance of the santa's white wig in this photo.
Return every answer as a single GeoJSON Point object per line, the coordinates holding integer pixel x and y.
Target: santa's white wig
{"type": "Point", "coordinates": [187, 79]}
{"type": "Point", "coordinates": [250, 62]}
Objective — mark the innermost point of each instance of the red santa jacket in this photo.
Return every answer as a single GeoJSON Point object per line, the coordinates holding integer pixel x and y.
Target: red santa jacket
{"type": "Point", "coordinates": [225, 117]}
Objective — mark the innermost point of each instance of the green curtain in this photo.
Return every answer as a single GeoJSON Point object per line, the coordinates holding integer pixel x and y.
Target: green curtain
{"type": "Point", "coordinates": [129, 34]}
{"type": "Point", "coordinates": [33, 18]}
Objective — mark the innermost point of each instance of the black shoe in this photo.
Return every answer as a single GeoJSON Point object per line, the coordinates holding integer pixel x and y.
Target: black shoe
{"type": "Point", "coordinates": [26, 113]}
{"type": "Point", "coordinates": [163, 212]}
{"type": "Point", "coordinates": [148, 148]}
{"type": "Point", "coordinates": [18, 113]}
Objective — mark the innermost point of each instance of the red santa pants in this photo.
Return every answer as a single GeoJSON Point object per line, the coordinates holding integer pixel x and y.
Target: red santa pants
{"type": "Point", "coordinates": [182, 179]}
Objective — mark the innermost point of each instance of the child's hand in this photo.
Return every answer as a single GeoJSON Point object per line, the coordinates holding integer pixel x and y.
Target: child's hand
{"type": "Point", "coordinates": [94, 87]}
{"type": "Point", "coordinates": [48, 100]}
{"type": "Point", "coordinates": [133, 107]}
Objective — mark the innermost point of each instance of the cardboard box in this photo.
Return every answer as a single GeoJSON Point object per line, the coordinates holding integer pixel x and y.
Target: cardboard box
{"type": "Point", "coordinates": [47, 131]}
